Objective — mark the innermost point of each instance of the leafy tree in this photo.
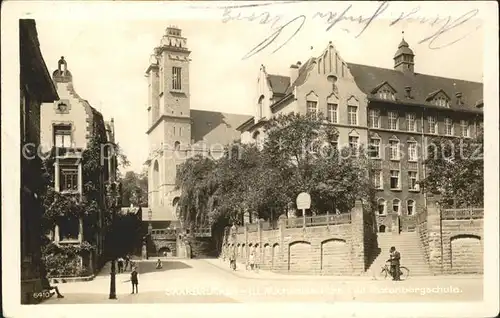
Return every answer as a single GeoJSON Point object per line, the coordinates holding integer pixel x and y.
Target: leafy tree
{"type": "Point", "coordinates": [454, 169]}
{"type": "Point", "coordinates": [134, 189]}
{"type": "Point", "coordinates": [296, 156]}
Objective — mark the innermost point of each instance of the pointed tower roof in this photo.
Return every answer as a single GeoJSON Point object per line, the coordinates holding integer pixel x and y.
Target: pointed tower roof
{"type": "Point", "coordinates": [403, 48]}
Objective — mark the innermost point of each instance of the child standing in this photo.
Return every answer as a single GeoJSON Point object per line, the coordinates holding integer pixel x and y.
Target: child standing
{"type": "Point", "coordinates": [135, 280]}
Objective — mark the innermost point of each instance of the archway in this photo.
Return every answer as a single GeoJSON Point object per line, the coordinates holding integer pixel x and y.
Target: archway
{"type": "Point", "coordinates": [165, 251]}
{"type": "Point", "coordinates": [381, 228]}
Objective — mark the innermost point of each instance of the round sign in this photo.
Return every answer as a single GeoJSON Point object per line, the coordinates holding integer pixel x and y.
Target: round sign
{"type": "Point", "coordinates": [303, 201]}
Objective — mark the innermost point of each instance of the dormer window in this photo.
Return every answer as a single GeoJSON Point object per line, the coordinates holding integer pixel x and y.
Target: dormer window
{"type": "Point", "coordinates": [441, 101]}
{"type": "Point", "coordinates": [386, 94]}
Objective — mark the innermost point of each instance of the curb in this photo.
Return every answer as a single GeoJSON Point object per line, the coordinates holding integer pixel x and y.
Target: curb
{"type": "Point", "coordinates": [279, 276]}
{"type": "Point", "coordinates": [63, 280]}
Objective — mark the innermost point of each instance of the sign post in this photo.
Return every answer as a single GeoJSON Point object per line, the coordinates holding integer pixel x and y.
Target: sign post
{"type": "Point", "coordinates": [303, 203]}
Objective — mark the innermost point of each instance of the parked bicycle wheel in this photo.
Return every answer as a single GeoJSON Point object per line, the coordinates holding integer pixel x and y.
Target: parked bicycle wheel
{"type": "Point", "coordinates": [404, 273]}
{"type": "Point", "coordinates": [384, 274]}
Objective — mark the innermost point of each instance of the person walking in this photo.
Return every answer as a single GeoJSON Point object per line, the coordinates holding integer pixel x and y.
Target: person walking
{"type": "Point", "coordinates": [394, 260]}
{"type": "Point", "coordinates": [127, 261]}
{"type": "Point", "coordinates": [252, 260]}
{"type": "Point", "coordinates": [134, 279]}
{"type": "Point", "coordinates": [232, 259]}
{"type": "Point", "coordinates": [120, 265]}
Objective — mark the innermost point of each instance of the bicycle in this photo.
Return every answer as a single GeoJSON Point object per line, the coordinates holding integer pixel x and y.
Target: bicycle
{"type": "Point", "coordinates": [386, 272]}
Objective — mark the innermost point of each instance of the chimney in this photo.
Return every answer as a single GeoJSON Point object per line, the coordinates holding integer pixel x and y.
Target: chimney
{"type": "Point", "coordinates": [294, 72]}
{"type": "Point", "coordinates": [408, 91]}
{"type": "Point", "coordinates": [459, 98]}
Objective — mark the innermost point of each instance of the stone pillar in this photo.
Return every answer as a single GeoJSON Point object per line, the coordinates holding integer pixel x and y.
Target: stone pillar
{"type": "Point", "coordinates": [260, 224]}
{"type": "Point", "coordinates": [56, 175]}
{"type": "Point", "coordinates": [357, 239]}
{"type": "Point", "coordinates": [245, 252]}
{"type": "Point", "coordinates": [282, 230]}
{"type": "Point", "coordinates": [246, 217]}
{"type": "Point", "coordinates": [434, 234]}
{"type": "Point", "coordinates": [255, 217]}
{"type": "Point", "coordinates": [80, 230]}
{"type": "Point", "coordinates": [80, 178]}
{"type": "Point", "coordinates": [56, 234]}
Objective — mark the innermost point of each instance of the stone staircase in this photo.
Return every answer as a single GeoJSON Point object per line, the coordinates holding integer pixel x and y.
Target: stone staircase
{"type": "Point", "coordinates": [412, 256]}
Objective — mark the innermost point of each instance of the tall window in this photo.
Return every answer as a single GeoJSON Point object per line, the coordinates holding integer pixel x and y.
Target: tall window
{"type": "Point", "coordinates": [354, 144]}
{"type": "Point", "coordinates": [448, 127]}
{"type": "Point", "coordinates": [410, 204]}
{"type": "Point", "coordinates": [69, 228]}
{"type": "Point", "coordinates": [352, 112]}
{"type": "Point", "coordinates": [375, 148]}
{"type": "Point", "coordinates": [377, 179]}
{"type": "Point", "coordinates": [312, 109]}
{"type": "Point", "coordinates": [260, 109]}
{"type": "Point", "coordinates": [68, 178]}
{"type": "Point", "coordinates": [162, 80]}
{"type": "Point", "coordinates": [412, 151]}
{"type": "Point", "coordinates": [177, 146]}
{"type": "Point", "coordinates": [381, 207]}
{"type": "Point", "coordinates": [393, 120]}
{"type": "Point", "coordinates": [410, 120]}
{"type": "Point", "coordinates": [176, 78]}
{"type": "Point", "coordinates": [394, 144]}
{"type": "Point", "coordinates": [62, 136]}
{"type": "Point", "coordinates": [412, 180]}
{"type": "Point", "coordinates": [432, 128]}
{"type": "Point", "coordinates": [396, 206]}
{"type": "Point", "coordinates": [331, 110]}
{"type": "Point", "coordinates": [464, 127]}
{"type": "Point", "coordinates": [395, 179]}
{"type": "Point", "coordinates": [373, 118]}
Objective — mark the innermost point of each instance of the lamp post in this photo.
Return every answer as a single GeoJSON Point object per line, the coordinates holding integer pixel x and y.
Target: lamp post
{"type": "Point", "coordinates": [113, 197]}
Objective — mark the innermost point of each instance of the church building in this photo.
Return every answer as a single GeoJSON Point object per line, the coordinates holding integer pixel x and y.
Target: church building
{"type": "Point", "coordinates": [175, 131]}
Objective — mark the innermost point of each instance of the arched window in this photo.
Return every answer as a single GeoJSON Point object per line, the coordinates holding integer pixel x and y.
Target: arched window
{"type": "Point", "coordinates": [410, 204]}
{"type": "Point", "coordinates": [396, 206]}
{"type": "Point", "coordinates": [381, 207]}
{"type": "Point", "coordinates": [156, 181]}
{"type": "Point", "coordinates": [260, 110]}
{"type": "Point", "coordinates": [177, 146]}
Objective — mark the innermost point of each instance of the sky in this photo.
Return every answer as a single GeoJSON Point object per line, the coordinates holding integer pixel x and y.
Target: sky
{"type": "Point", "coordinates": [108, 55]}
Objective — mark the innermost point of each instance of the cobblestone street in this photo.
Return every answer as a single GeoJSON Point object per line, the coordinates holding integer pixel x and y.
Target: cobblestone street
{"type": "Point", "coordinates": [211, 281]}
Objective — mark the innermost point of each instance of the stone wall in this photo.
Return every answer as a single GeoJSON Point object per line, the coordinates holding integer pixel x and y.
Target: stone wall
{"type": "Point", "coordinates": [452, 239]}
{"type": "Point", "coordinates": [335, 246]}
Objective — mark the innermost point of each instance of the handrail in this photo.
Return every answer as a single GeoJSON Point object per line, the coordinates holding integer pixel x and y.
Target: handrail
{"type": "Point", "coordinates": [319, 220]}
{"type": "Point", "coordinates": [462, 214]}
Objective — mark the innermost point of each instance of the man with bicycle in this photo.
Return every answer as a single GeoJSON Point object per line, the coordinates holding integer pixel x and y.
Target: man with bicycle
{"type": "Point", "coordinates": [395, 256]}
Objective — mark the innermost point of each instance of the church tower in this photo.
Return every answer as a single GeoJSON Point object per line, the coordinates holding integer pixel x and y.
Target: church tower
{"type": "Point", "coordinates": [169, 132]}
{"type": "Point", "coordinates": [404, 58]}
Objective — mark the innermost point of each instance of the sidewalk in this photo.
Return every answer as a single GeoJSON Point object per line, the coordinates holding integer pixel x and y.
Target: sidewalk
{"type": "Point", "coordinates": [241, 272]}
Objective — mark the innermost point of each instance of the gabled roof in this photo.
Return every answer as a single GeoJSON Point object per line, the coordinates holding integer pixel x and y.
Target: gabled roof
{"type": "Point", "coordinates": [278, 83]}
{"type": "Point", "coordinates": [303, 74]}
{"type": "Point", "coordinates": [215, 127]}
{"type": "Point", "coordinates": [368, 77]}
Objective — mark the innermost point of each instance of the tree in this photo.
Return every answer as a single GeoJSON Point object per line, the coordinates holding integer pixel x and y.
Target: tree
{"type": "Point", "coordinates": [454, 169]}
{"type": "Point", "coordinates": [134, 189]}
{"type": "Point", "coordinates": [297, 156]}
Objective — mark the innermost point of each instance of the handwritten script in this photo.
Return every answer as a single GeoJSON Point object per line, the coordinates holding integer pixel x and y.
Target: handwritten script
{"type": "Point", "coordinates": [436, 40]}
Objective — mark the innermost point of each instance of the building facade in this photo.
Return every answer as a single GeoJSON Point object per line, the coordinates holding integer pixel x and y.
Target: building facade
{"type": "Point", "coordinates": [68, 126]}
{"type": "Point", "coordinates": [176, 132]}
{"type": "Point", "coordinates": [394, 112]}
{"type": "Point", "coordinates": [36, 87]}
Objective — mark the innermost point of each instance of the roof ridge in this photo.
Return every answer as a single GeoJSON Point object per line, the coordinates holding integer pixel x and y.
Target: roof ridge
{"type": "Point", "coordinates": [416, 73]}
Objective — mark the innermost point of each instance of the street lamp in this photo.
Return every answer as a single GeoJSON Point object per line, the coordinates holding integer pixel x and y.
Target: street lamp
{"type": "Point", "coordinates": [113, 197]}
